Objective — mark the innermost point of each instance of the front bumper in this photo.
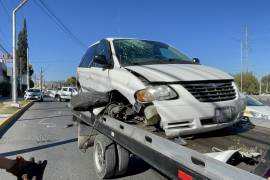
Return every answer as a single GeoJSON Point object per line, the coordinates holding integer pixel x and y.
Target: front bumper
{"type": "Point", "coordinates": [187, 115]}
{"type": "Point", "coordinates": [33, 98]}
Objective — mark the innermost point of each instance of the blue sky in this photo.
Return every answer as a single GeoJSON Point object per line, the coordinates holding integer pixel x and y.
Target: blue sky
{"type": "Point", "coordinates": [210, 30]}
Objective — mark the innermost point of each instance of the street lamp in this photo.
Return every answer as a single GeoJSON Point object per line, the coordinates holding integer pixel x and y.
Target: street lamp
{"type": "Point", "coordinates": [14, 82]}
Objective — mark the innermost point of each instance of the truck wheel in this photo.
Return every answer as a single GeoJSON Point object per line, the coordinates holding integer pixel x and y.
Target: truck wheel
{"type": "Point", "coordinates": [123, 160]}
{"type": "Point", "coordinates": [104, 156]}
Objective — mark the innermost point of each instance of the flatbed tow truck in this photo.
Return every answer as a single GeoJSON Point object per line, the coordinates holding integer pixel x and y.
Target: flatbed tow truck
{"type": "Point", "coordinates": [180, 158]}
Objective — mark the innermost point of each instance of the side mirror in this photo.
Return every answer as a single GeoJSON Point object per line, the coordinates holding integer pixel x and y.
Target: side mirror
{"type": "Point", "coordinates": [100, 59]}
{"type": "Point", "coordinates": [196, 60]}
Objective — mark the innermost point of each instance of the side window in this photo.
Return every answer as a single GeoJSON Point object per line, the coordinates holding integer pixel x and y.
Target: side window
{"type": "Point", "coordinates": [103, 49]}
{"type": "Point", "coordinates": [88, 57]}
{"type": "Point", "coordinates": [64, 89]}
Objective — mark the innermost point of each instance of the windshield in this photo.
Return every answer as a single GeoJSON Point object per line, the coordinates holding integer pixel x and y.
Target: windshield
{"type": "Point", "coordinates": [33, 90]}
{"type": "Point", "coordinates": [253, 102]}
{"type": "Point", "coordinates": [142, 52]}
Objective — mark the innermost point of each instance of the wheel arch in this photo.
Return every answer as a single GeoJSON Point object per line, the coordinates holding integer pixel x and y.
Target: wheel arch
{"type": "Point", "coordinates": [121, 96]}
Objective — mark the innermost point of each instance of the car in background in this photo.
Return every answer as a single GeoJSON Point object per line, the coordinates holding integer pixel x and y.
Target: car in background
{"type": "Point", "coordinates": [33, 94]}
{"type": "Point", "coordinates": [65, 93]}
{"type": "Point", "coordinates": [256, 110]}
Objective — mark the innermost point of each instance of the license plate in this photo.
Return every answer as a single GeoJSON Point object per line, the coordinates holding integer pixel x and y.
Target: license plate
{"type": "Point", "coordinates": [224, 114]}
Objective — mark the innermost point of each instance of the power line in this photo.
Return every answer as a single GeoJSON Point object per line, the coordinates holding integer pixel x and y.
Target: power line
{"type": "Point", "coordinates": [5, 10]}
{"type": "Point", "coordinates": [3, 48]}
{"type": "Point", "coordinates": [47, 10]}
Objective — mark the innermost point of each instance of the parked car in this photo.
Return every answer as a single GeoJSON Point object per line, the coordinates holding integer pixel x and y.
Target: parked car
{"type": "Point", "coordinates": [65, 93]}
{"type": "Point", "coordinates": [155, 83]}
{"type": "Point", "coordinates": [33, 94]}
{"type": "Point", "coordinates": [256, 109]}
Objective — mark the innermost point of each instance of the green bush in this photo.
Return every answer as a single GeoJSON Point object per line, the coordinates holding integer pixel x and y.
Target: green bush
{"type": "Point", "coordinates": [5, 88]}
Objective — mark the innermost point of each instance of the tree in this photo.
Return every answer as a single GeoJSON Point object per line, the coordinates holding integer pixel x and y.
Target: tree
{"type": "Point", "coordinates": [31, 83]}
{"type": "Point", "coordinates": [21, 52]}
{"type": "Point", "coordinates": [71, 81]}
{"type": "Point", "coordinates": [250, 82]}
{"type": "Point", "coordinates": [266, 83]}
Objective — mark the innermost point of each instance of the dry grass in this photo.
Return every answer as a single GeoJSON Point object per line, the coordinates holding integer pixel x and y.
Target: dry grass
{"type": "Point", "coordinates": [7, 109]}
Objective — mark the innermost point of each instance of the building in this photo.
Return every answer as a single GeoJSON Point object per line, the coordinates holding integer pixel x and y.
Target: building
{"type": "Point", "coordinates": [3, 72]}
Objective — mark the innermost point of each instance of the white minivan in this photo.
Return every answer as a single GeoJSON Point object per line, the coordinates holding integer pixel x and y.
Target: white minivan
{"type": "Point", "coordinates": [155, 83]}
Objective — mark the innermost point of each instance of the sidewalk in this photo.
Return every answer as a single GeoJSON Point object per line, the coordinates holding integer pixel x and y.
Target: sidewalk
{"type": "Point", "coordinates": [6, 110]}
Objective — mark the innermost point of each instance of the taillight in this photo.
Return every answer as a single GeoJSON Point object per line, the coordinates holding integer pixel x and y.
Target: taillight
{"type": "Point", "coordinates": [183, 176]}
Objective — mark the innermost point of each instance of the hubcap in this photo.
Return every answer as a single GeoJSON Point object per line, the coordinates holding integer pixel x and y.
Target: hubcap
{"type": "Point", "coordinates": [99, 157]}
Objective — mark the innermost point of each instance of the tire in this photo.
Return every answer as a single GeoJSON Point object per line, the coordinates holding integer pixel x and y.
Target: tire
{"type": "Point", "coordinates": [123, 160]}
{"type": "Point", "coordinates": [104, 156]}
{"type": "Point", "coordinates": [85, 101]}
{"type": "Point", "coordinates": [58, 98]}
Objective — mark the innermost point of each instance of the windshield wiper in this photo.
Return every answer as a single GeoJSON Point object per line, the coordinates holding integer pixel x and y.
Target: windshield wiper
{"type": "Point", "coordinates": [180, 61]}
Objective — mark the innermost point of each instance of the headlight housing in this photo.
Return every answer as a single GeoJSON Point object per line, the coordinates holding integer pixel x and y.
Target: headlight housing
{"type": "Point", "coordinates": [155, 93]}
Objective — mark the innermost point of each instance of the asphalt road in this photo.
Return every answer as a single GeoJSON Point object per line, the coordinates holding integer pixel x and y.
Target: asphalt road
{"type": "Point", "coordinates": [42, 132]}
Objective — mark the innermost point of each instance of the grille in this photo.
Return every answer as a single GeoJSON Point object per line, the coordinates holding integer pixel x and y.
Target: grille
{"type": "Point", "coordinates": [211, 91]}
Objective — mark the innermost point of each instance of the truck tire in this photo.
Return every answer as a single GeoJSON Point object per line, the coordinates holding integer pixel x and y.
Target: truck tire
{"type": "Point", "coordinates": [85, 101]}
{"type": "Point", "coordinates": [104, 156]}
{"type": "Point", "coordinates": [123, 160]}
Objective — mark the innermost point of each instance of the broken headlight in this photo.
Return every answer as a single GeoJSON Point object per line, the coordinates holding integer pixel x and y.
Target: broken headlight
{"type": "Point", "coordinates": [157, 93]}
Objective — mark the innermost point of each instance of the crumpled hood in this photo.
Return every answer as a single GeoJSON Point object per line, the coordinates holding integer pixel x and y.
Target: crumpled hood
{"type": "Point", "coordinates": [178, 72]}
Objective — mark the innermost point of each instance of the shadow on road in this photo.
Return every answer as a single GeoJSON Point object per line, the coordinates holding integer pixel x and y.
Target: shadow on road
{"type": "Point", "coordinates": [135, 166]}
{"type": "Point", "coordinates": [26, 150]}
{"type": "Point", "coordinates": [46, 117]}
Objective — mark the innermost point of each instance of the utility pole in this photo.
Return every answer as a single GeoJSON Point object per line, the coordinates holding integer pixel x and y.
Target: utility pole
{"type": "Point", "coordinates": [241, 65]}
{"type": "Point", "coordinates": [35, 79]}
{"type": "Point", "coordinates": [14, 83]}
{"type": "Point", "coordinates": [27, 73]}
{"type": "Point", "coordinates": [260, 86]}
{"type": "Point", "coordinates": [41, 78]}
{"type": "Point", "coordinates": [246, 51]}
{"type": "Point", "coordinates": [20, 75]}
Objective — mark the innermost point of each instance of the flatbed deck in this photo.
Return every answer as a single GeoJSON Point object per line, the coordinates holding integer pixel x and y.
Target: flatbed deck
{"type": "Point", "coordinates": [168, 158]}
{"type": "Point", "coordinates": [247, 138]}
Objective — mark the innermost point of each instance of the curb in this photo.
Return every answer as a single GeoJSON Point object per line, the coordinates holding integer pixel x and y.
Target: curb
{"type": "Point", "coordinates": [15, 115]}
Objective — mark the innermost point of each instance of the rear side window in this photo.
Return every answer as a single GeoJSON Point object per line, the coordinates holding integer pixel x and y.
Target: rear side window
{"type": "Point", "coordinates": [65, 89]}
{"type": "Point", "coordinates": [88, 57]}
